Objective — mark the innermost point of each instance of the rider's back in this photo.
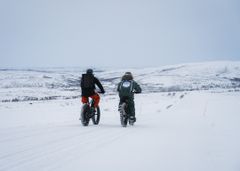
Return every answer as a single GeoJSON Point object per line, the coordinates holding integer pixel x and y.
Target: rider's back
{"type": "Point", "coordinates": [127, 87]}
{"type": "Point", "coordinates": [88, 82]}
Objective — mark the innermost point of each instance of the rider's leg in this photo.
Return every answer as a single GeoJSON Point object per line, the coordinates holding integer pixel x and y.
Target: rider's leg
{"type": "Point", "coordinates": [96, 99]}
{"type": "Point", "coordinates": [84, 99]}
{"type": "Point", "coordinates": [122, 99]}
{"type": "Point", "coordinates": [132, 109]}
{"type": "Point", "coordinates": [120, 103]}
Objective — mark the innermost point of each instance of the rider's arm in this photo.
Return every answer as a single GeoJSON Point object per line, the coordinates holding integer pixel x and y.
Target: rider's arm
{"type": "Point", "coordinates": [118, 87]}
{"type": "Point", "coordinates": [137, 87]}
{"type": "Point", "coordinates": [99, 85]}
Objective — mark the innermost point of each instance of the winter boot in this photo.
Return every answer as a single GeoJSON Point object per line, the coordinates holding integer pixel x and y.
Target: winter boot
{"type": "Point", "coordinates": [132, 119]}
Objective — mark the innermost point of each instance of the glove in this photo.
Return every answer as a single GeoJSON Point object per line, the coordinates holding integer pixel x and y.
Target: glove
{"type": "Point", "coordinates": [102, 92]}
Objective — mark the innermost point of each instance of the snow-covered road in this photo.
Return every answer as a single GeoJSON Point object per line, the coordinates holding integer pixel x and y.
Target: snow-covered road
{"type": "Point", "coordinates": [191, 131]}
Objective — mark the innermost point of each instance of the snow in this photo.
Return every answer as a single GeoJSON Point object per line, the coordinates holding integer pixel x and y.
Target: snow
{"type": "Point", "coordinates": [175, 129]}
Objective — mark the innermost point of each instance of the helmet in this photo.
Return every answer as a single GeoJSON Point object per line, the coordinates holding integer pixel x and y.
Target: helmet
{"type": "Point", "coordinates": [128, 73]}
{"type": "Point", "coordinates": [127, 76]}
{"type": "Point", "coordinates": [89, 71]}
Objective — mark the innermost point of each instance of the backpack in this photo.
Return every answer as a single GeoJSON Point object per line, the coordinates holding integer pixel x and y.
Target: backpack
{"type": "Point", "coordinates": [87, 81]}
{"type": "Point", "coordinates": [126, 88]}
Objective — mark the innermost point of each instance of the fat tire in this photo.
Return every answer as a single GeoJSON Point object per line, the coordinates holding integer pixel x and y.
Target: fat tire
{"type": "Point", "coordinates": [96, 116]}
{"type": "Point", "coordinates": [84, 115]}
{"type": "Point", "coordinates": [123, 115]}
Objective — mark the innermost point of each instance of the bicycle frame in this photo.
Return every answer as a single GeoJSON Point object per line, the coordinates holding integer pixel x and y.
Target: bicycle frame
{"type": "Point", "coordinates": [88, 112]}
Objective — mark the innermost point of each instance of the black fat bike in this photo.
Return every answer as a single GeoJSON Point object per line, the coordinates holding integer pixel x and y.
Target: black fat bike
{"type": "Point", "coordinates": [124, 114]}
{"type": "Point", "coordinates": [89, 112]}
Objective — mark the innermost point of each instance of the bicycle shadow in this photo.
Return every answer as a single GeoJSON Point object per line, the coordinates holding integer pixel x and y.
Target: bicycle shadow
{"type": "Point", "coordinates": [104, 125]}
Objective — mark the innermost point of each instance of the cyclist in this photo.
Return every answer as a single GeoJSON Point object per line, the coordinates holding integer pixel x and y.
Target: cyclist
{"type": "Point", "coordinates": [126, 89]}
{"type": "Point", "coordinates": [88, 82]}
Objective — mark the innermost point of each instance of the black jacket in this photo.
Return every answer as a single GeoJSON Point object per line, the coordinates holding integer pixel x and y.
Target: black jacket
{"type": "Point", "coordinates": [91, 91]}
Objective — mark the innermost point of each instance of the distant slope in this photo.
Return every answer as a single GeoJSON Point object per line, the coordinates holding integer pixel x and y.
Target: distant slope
{"type": "Point", "coordinates": [63, 83]}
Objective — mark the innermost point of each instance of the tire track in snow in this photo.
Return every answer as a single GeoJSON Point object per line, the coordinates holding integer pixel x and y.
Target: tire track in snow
{"type": "Point", "coordinates": [40, 151]}
{"type": "Point", "coordinates": [57, 146]}
{"type": "Point", "coordinates": [16, 130]}
{"type": "Point", "coordinates": [111, 138]}
{"type": "Point", "coordinates": [27, 148]}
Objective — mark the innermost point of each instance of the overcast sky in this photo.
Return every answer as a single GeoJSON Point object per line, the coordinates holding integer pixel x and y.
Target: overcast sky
{"type": "Point", "coordinates": [118, 33]}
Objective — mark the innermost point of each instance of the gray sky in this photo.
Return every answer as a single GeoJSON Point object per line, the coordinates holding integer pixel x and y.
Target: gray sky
{"type": "Point", "coordinates": [118, 33]}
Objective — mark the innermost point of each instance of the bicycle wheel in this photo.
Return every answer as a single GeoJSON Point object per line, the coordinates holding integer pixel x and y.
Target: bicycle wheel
{"type": "Point", "coordinates": [123, 114]}
{"type": "Point", "coordinates": [96, 116]}
{"type": "Point", "coordinates": [84, 115]}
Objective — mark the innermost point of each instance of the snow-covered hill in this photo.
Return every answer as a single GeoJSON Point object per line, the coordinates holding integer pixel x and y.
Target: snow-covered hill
{"type": "Point", "coordinates": [63, 83]}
